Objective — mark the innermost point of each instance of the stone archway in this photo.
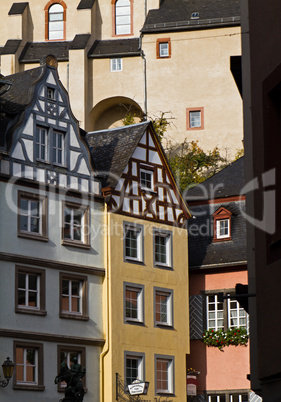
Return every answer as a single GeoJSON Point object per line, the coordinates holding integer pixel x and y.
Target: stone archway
{"type": "Point", "coordinates": [110, 112]}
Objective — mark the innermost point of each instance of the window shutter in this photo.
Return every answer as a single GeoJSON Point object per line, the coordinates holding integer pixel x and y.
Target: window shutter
{"type": "Point", "coordinates": [196, 316]}
{"type": "Point", "coordinates": [254, 397]}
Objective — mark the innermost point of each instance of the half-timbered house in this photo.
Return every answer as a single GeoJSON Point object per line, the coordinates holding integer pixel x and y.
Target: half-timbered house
{"type": "Point", "coordinates": [51, 250]}
{"type": "Point", "coordinates": [147, 284]}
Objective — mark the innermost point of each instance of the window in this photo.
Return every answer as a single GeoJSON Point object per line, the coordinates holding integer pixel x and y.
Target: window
{"type": "Point", "coordinates": [164, 374]}
{"type": "Point", "coordinates": [50, 93]}
{"type": "Point", "coordinates": [67, 354]}
{"type": "Point", "coordinates": [163, 307]}
{"type": "Point", "coordinates": [133, 242]}
{"type": "Point", "coordinates": [30, 291]}
{"type": "Point", "coordinates": [55, 26]}
{"type": "Point", "coordinates": [134, 303]}
{"type": "Point", "coordinates": [116, 65]}
{"type": "Point", "coordinates": [73, 296]}
{"type": "Point", "coordinates": [134, 367]}
{"type": "Point", "coordinates": [228, 397]}
{"type": "Point", "coordinates": [195, 119]}
{"type": "Point", "coordinates": [162, 248]}
{"type": "Point", "coordinates": [49, 146]}
{"type": "Point", "coordinates": [146, 179]}
{"type": "Point", "coordinates": [123, 16]}
{"type": "Point", "coordinates": [41, 144]}
{"type": "Point", "coordinates": [58, 148]}
{"type": "Point", "coordinates": [226, 314]}
{"type": "Point", "coordinates": [163, 48]}
{"type": "Point", "coordinates": [222, 224]}
{"type": "Point", "coordinates": [32, 216]}
{"type": "Point", "coordinates": [76, 225]}
{"type": "Point", "coordinates": [28, 366]}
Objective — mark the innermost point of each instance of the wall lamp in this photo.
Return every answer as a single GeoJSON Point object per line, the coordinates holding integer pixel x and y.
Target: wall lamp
{"type": "Point", "coordinates": [8, 368]}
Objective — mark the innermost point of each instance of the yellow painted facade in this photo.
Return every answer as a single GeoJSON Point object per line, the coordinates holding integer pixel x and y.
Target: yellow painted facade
{"type": "Point", "coordinates": [197, 75]}
{"type": "Point", "coordinates": [146, 339]}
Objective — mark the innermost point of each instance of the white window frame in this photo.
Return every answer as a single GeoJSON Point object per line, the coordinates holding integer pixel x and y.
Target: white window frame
{"type": "Point", "coordinates": [27, 291]}
{"type": "Point", "coordinates": [166, 308]}
{"type": "Point", "coordinates": [82, 211]}
{"type": "Point", "coordinates": [149, 173]}
{"type": "Point", "coordinates": [170, 374]}
{"type": "Point", "coordinates": [123, 17]}
{"type": "Point", "coordinates": [220, 226]}
{"type": "Point", "coordinates": [25, 366]}
{"type": "Point", "coordinates": [29, 215]}
{"type": "Point", "coordinates": [194, 120]}
{"type": "Point", "coordinates": [42, 144]}
{"type": "Point", "coordinates": [116, 64]}
{"type": "Point", "coordinates": [58, 149]}
{"type": "Point", "coordinates": [215, 312]}
{"type": "Point", "coordinates": [163, 49]}
{"type": "Point", "coordinates": [138, 230]}
{"type": "Point", "coordinates": [239, 314]}
{"type": "Point", "coordinates": [55, 20]}
{"type": "Point", "coordinates": [69, 296]}
{"type": "Point", "coordinates": [139, 290]}
{"type": "Point", "coordinates": [166, 236]}
{"type": "Point", "coordinates": [140, 358]}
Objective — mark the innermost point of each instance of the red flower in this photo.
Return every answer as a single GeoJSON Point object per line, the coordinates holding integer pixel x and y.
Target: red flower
{"type": "Point", "coordinates": [212, 330]}
{"type": "Point", "coordinates": [216, 341]}
{"type": "Point", "coordinates": [234, 333]}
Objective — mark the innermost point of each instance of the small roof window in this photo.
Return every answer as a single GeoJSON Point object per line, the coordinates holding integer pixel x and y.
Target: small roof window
{"type": "Point", "coordinates": [194, 15]}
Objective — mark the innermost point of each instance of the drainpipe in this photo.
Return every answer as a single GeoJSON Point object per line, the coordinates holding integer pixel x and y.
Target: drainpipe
{"type": "Point", "coordinates": [144, 79]}
{"type": "Point", "coordinates": [106, 299]}
{"type": "Point", "coordinates": [67, 77]}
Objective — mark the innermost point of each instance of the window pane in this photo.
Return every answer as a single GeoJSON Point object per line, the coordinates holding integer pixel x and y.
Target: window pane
{"type": "Point", "coordinates": [162, 375]}
{"type": "Point", "coordinates": [195, 118]}
{"type": "Point", "coordinates": [132, 304]}
{"type": "Point", "coordinates": [132, 371]}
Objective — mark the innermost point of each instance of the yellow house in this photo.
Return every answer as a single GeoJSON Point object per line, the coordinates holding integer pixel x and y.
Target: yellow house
{"type": "Point", "coordinates": [117, 56]}
{"type": "Point", "coordinates": [146, 283]}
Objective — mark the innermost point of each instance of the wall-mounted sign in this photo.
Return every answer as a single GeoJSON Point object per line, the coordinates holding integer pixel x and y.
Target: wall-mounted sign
{"type": "Point", "coordinates": [191, 385]}
{"type": "Point", "coordinates": [138, 388]}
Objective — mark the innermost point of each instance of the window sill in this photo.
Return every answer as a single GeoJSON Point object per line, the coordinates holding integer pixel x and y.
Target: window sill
{"type": "Point", "coordinates": [19, 310]}
{"type": "Point", "coordinates": [133, 261]}
{"type": "Point", "coordinates": [33, 236]}
{"type": "Point", "coordinates": [76, 244]}
{"type": "Point", "coordinates": [163, 325]}
{"type": "Point", "coordinates": [133, 322]}
{"type": "Point", "coordinates": [215, 240]}
{"type": "Point", "coordinates": [163, 266]}
{"type": "Point", "coordinates": [78, 317]}
{"type": "Point", "coordinates": [25, 387]}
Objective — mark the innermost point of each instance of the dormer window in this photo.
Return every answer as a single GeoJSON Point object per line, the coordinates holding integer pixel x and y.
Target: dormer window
{"type": "Point", "coordinates": [222, 224]}
{"type": "Point", "coordinates": [194, 16]}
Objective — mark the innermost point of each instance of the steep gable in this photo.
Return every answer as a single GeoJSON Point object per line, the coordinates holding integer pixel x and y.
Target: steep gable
{"type": "Point", "coordinates": [46, 145]}
{"type": "Point", "coordinates": [137, 180]}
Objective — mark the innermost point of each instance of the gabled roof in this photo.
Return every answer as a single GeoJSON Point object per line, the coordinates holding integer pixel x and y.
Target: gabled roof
{"type": "Point", "coordinates": [227, 183]}
{"type": "Point", "coordinates": [118, 47]}
{"type": "Point", "coordinates": [111, 150]}
{"type": "Point", "coordinates": [177, 14]}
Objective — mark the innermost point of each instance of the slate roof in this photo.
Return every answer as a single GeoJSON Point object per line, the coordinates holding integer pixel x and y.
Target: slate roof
{"type": "Point", "coordinates": [84, 4]}
{"type": "Point", "coordinates": [11, 46]}
{"type": "Point", "coordinates": [14, 101]}
{"type": "Point", "coordinates": [116, 47]}
{"type": "Point", "coordinates": [177, 14]}
{"type": "Point", "coordinates": [80, 41]}
{"type": "Point", "coordinates": [203, 252]}
{"type": "Point", "coordinates": [227, 183]}
{"type": "Point", "coordinates": [33, 52]}
{"type": "Point", "coordinates": [111, 150]}
{"type": "Point", "coordinates": [17, 8]}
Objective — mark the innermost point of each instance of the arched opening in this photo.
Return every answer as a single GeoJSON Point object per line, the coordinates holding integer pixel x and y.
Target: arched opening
{"type": "Point", "coordinates": [111, 112]}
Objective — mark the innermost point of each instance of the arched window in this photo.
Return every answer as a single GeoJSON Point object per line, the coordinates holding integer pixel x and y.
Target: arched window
{"type": "Point", "coordinates": [56, 23]}
{"type": "Point", "coordinates": [123, 17]}
{"type": "Point", "coordinates": [55, 17]}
